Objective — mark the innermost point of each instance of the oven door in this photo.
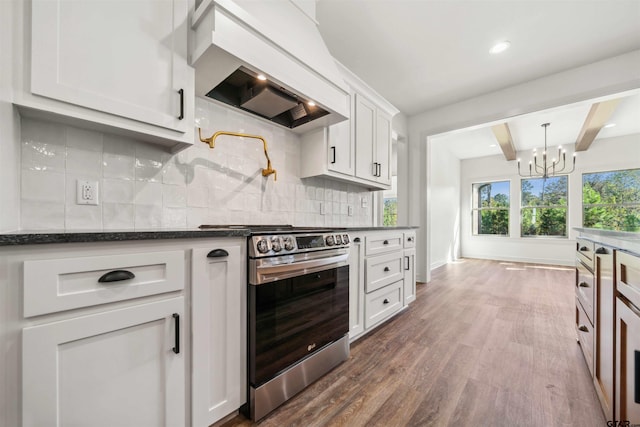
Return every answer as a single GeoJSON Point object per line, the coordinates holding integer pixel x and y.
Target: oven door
{"type": "Point", "coordinates": [292, 318]}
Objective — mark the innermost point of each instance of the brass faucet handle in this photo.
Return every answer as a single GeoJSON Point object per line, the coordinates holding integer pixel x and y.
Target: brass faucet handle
{"type": "Point", "coordinates": [269, 171]}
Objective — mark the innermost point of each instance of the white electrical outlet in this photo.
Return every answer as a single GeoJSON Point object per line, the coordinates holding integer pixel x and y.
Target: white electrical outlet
{"type": "Point", "coordinates": [350, 210]}
{"type": "Point", "coordinates": [87, 192]}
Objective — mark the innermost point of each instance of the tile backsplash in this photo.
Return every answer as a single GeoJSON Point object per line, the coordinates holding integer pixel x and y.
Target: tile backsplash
{"type": "Point", "coordinates": [141, 186]}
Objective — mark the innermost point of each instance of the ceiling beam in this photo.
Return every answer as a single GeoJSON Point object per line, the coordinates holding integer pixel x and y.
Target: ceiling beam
{"type": "Point", "coordinates": [598, 116]}
{"type": "Point", "coordinates": [503, 135]}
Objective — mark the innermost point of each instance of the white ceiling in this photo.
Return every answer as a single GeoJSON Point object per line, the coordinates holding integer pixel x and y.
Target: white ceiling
{"type": "Point", "coordinates": [422, 54]}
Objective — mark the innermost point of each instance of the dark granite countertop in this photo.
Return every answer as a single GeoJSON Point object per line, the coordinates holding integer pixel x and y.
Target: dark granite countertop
{"type": "Point", "coordinates": [26, 237]}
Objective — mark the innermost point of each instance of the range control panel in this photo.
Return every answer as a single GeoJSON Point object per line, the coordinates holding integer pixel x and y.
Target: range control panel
{"type": "Point", "coordinates": [285, 244]}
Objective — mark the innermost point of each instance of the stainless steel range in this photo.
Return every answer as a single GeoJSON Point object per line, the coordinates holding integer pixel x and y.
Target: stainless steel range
{"type": "Point", "coordinates": [298, 308]}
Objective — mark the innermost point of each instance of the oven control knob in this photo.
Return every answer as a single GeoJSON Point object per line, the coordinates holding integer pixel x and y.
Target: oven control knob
{"type": "Point", "coordinates": [276, 244]}
{"type": "Point", "coordinates": [329, 240]}
{"type": "Point", "coordinates": [263, 246]}
{"type": "Point", "coordinates": [289, 245]}
{"type": "Point", "coordinates": [345, 239]}
{"type": "Point", "coordinates": [338, 239]}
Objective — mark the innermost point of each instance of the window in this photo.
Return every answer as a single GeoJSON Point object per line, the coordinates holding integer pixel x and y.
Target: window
{"type": "Point", "coordinates": [544, 207]}
{"type": "Point", "coordinates": [490, 209]}
{"type": "Point", "coordinates": [611, 200]}
{"type": "Point", "coordinates": [390, 200]}
{"type": "Point", "coordinates": [390, 212]}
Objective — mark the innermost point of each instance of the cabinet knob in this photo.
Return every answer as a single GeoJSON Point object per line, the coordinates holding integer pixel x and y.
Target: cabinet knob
{"type": "Point", "coordinates": [583, 285]}
{"type": "Point", "coordinates": [217, 253]}
{"type": "Point", "coordinates": [602, 251]}
{"type": "Point", "coordinates": [386, 301]}
{"type": "Point", "coordinates": [386, 269]}
{"type": "Point", "coordinates": [356, 240]}
{"type": "Point", "coordinates": [116, 276]}
{"type": "Point", "coordinates": [410, 239]}
{"type": "Point", "coordinates": [583, 328]}
{"type": "Point", "coordinates": [583, 249]}
{"type": "Point", "coordinates": [386, 242]}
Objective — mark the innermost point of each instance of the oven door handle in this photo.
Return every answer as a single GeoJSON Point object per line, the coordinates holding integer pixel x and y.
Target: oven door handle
{"type": "Point", "coordinates": [270, 273]}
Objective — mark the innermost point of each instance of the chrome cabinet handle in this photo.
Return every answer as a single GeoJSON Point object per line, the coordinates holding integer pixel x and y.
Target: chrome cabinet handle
{"type": "Point", "coordinates": [217, 253]}
{"type": "Point", "coordinates": [116, 276]}
{"type": "Point", "coordinates": [176, 348]}
{"type": "Point", "coordinates": [583, 328]}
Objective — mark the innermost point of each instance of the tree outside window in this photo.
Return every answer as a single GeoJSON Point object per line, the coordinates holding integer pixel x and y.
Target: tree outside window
{"type": "Point", "coordinates": [390, 214]}
{"type": "Point", "coordinates": [611, 200]}
{"type": "Point", "coordinates": [490, 210]}
{"type": "Point", "coordinates": [544, 207]}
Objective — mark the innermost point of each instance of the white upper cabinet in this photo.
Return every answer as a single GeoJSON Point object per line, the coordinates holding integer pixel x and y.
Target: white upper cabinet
{"type": "Point", "coordinates": [118, 64]}
{"type": "Point", "coordinates": [357, 151]}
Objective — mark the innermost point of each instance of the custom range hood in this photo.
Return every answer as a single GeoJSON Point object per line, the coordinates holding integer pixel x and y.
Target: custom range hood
{"type": "Point", "coordinates": [267, 58]}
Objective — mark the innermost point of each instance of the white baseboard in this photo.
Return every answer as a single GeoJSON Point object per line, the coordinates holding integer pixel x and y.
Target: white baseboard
{"type": "Point", "coordinates": [565, 262]}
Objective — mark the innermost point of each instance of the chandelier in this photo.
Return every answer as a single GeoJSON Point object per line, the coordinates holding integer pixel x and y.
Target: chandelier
{"type": "Point", "coordinates": [548, 168]}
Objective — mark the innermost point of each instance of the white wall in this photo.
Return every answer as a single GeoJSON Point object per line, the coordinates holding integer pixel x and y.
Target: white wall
{"type": "Point", "coordinates": [445, 215]}
{"type": "Point", "coordinates": [144, 187]}
{"type": "Point", "coordinates": [603, 155]}
{"type": "Point", "coordinates": [9, 128]}
{"type": "Point", "coordinates": [613, 75]}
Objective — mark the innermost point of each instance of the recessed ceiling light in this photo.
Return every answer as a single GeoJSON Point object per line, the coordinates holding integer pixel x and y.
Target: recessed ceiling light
{"type": "Point", "coordinates": [500, 47]}
{"type": "Point", "coordinates": [609, 125]}
{"type": "Point", "coordinates": [261, 77]}
{"type": "Point", "coordinates": [311, 104]}
{"type": "Point", "coordinates": [493, 145]}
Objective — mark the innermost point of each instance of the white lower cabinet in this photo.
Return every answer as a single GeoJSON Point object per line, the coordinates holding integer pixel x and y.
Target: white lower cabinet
{"type": "Point", "coordinates": [409, 276]}
{"type": "Point", "coordinates": [121, 367]}
{"type": "Point", "coordinates": [382, 277]}
{"type": "Point", "coordinates": [356, 286]}
{"type": "Point", "coordinates": [218, 311]}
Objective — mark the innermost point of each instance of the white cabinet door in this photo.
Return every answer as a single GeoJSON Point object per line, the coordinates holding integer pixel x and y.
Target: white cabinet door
{"type": "Point", "coordinates": [126, 58]}
{"type": "Point", "coordinates": [115, 368]}
{"type": "Point", "coordinates": [409, 276]}
{"type": "Point", "coordinates": [356, 286]}
{"type": "Point", "coordinates": [365, 138]}
{"type": "Point", "coordinates": [383, 147]}
{"type": "Point", "coordinates": [219, 332]}
{"type": "Point", "coordinates": [627, 363]}
{"type": "Point", "coordinates": [341, 150]}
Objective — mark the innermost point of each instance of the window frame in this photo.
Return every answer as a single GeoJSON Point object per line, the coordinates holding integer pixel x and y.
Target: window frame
{"type": "Point", "coordinates": [566, 207]}
{"type": "Point", "coordinates": [474, 209]}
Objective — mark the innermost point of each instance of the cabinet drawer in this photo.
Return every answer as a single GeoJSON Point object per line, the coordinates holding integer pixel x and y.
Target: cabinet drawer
{"type": "Point", "coordinates": [382, 303]}
{"type": "Point", "coordinates": [382, 270]}
{"type": "Point", "coordinates": [628, 276]}
{"type": "Point", "coordinates": [53, 285]}
{"type": "Point", "coordinates": [584, 331]}
{"type": "Point", "coordinates": [382, 243]}
{"type": "Point", "coordinates": [585, 288]}
{"type": "Point", "coordinates": [410, 239]}
{"type": "Point", "coordinates": [585, 252]}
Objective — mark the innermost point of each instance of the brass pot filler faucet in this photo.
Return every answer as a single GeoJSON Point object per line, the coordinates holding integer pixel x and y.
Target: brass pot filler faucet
{"type": "Point", "coordinates": [212, 141]}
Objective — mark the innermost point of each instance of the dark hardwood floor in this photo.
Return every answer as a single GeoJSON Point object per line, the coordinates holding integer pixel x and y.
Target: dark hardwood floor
{"type": "Point", "coordinates": [486, 343]}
